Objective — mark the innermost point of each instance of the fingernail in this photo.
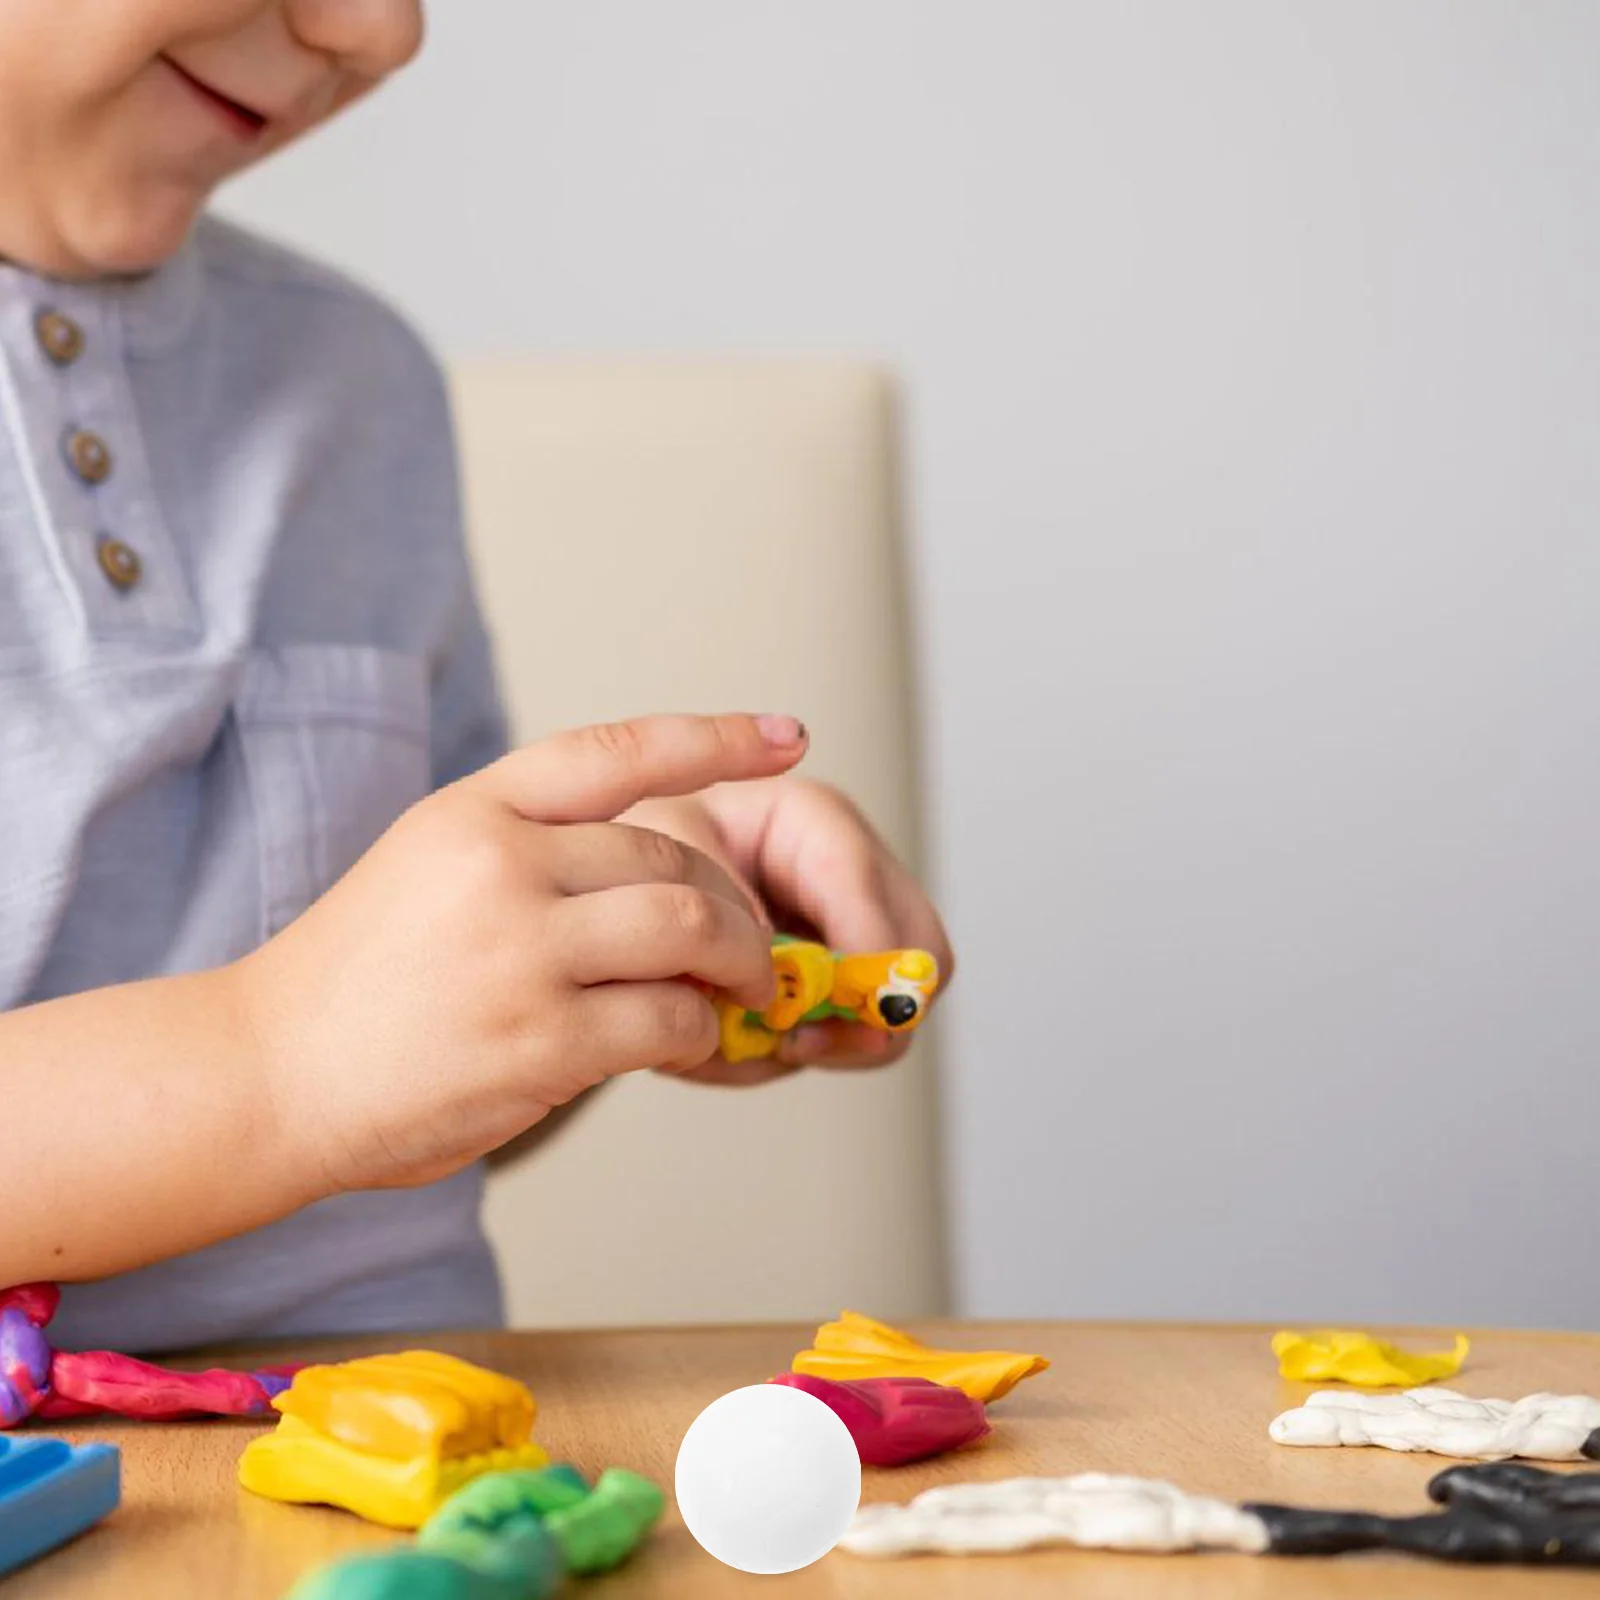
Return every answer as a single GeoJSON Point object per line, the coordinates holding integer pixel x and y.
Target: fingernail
{"type": "Point", "coordinates": [783, 733]}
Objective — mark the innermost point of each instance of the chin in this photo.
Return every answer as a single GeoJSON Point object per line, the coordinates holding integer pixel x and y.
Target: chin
{"type": "Point", "coordinates": [122, 237]}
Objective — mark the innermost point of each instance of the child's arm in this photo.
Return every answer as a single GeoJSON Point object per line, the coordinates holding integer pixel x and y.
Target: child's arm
{"type": "Point", "coordinates": [500, 950]}
{"type": "Point", "coordinates": [144, 1123]}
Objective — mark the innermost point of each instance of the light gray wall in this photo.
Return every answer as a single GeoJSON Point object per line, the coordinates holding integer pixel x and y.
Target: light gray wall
{"type": "Point", "coordinates": [1255, 415]}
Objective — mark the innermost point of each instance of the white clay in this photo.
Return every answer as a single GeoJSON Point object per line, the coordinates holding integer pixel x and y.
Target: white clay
{"type": "Point", "coordinates": [1543, 1427]}
{"type": "Point", "coordinates": [1092, 1510]}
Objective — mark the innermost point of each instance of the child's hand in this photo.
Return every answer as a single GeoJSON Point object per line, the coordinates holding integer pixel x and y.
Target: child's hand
{"type": "Point", "coordinates": [814, 866]}
{"type": "Point", "coordinates": [504, 946]}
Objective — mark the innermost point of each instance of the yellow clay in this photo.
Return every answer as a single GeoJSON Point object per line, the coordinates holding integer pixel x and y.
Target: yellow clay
{"type": "Point", "coordinates": [300, 1465]}
{"type": "Point", "coordinates": [858, 1347]}
{"type": "Point", "coordinates": [804, 972]}
{"type": "Point", "coordinates": [1340, 1356]}
{"type": "Point", "coordinates": [390, 1437]}
{"type": "Point", "coordinates": [411, 1404]}
{"type": "Point", "coordinates": [739, 1038]}
{"type": "Point", "coordinates": [889, 990]}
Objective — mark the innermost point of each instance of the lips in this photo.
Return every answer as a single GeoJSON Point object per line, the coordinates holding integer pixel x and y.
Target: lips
{"type": "Point", "coordinates": [241, 119]}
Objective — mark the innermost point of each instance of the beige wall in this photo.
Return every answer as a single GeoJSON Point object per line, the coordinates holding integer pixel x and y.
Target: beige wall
{"type": "Point", "coordinates": [692, 537]}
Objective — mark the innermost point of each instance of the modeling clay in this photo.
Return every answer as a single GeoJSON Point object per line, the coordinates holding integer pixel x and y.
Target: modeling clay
{"type": "Point", "coordinates": [1546, 1427]}
{"type": "Point", "coordinates": [407, 1575]}
{"type": "Point", "coordinates": [857, 1347]}
{"type": "Point", "coordinates": [1498, 1512]}
{"type": "Point", "coordinates": [505, 1536]}
{"type": "Point", "coordinates": [50, 1492]}
{"type": "Point", "coordinates": [1334, 1356]}
{"type": "Point", "coordinates": [38, 1381]}
{"type": "Point", "coordinates": [593, 1529]}
{"type": "Point", "coordinates": [604, 1530]}
{"type": "Point", "coordinates": [1090, 1510]}
{"type": "Point", "coordinates": [389, 1437]}
{"type": "Point", "coordinates": [1511, 1483]}
{"type": "Point", "coordinates": [895, 1420]}
{"type": "Point", "coordinates": [890, 990]}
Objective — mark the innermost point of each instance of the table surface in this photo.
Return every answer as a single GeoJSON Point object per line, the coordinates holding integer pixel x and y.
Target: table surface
{"type": "Point", "coordinates": [1190, 1404]}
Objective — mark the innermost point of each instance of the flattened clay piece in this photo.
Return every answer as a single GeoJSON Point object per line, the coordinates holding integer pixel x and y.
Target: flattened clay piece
{"type": "Point", "coordinates": [415, 1403]}
{"type": "Point", "coordinates": [896, 1420]}
{"type": "Point", "coordinates": [1090, 1510]}
{"type": "Point", "coordinates": [391, 1437]}
{"type": "Point", "coordinates": [1339, 1356]}
{"type": "Point", "coordinates": [858, 1347]}
{"type": "Point", "coordinates": [1545, 1427]}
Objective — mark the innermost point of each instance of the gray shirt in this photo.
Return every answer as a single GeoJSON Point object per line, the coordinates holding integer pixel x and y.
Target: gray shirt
{"type": "Point", "coordinates": [238, 637]}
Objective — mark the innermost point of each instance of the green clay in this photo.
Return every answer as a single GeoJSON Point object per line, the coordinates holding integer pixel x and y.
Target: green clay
{"type": "Point", "coordinates": [406, 1574]}
{"type": "Point", "coordinates": [504, 1536]}
{"type": "Point", "coordinates": [487, 1501]}
{"type": "Point", "coordinates": [608, 1526]}
{"type": "Point", "coordinates": [518, 1552]}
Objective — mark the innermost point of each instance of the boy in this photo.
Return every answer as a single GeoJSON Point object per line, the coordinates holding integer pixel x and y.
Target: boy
{"type": "Point", "coordinates": [290, 942]}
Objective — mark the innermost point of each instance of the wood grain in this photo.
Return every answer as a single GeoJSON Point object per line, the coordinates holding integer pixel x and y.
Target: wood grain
{"type": "Point", "coordinates": [1186, 1403]}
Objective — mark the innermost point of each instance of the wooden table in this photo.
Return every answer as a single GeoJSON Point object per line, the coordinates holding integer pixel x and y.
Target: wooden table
{"type": "Point", "coordinates": [1190, 1404]}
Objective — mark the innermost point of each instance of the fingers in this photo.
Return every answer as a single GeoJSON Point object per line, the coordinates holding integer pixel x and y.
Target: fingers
{"type": "Point", "coordinates": [592, 774]}
{"type": "Point", "coordinates": [626, 1027]}
{"type": "Point", "coordinates": [841, 1044]}
{"type": "Point", "coordinates": [688, 820]}
{"type": "Point", "coordinates": [588, 857]}
{"type": "Point", "coordinates": [650, 932]}
{"type": "Point", "coordinates": [820, 857]}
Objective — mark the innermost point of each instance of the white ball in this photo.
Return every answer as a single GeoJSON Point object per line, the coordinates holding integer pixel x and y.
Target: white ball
{"type": "Point", "coordinates": [768, 1479]}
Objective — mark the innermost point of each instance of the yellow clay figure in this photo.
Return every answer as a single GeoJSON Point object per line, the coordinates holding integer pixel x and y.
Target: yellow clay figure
{"type": "Point", "coordinates": [858, 1347]}
{"type": "Point", "coordinates": [889, 990]}
{"type": "Point", "coordinates": [1341, 1356]}
{"type": "Point", "coordinates": [390, 1437]}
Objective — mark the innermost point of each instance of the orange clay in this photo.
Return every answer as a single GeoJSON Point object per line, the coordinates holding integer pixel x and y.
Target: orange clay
{"type": "Point", "coordinates": [858, 1347]}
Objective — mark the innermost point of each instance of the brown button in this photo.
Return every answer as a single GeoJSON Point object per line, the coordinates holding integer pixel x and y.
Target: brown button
{"type": "Point", "coordinates": [90, 455]}
{"type": "Point", "coordinates": [118, 561]}
{"type": "Point", "coordinates": [59, 337]}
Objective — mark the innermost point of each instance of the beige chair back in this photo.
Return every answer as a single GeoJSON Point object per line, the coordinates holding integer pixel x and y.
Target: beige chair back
{"type": "Point", "coordinates": [709, 537]}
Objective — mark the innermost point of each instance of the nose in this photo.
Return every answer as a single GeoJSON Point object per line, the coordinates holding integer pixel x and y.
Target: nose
{"type": "Point", "coordinates": [370, 37]}
{"type": "Point", "coordinates": [897, 1009]}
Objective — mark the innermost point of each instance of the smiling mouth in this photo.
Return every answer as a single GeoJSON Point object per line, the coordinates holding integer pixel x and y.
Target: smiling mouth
{"type": "Point", "coordinates": [244, 122]}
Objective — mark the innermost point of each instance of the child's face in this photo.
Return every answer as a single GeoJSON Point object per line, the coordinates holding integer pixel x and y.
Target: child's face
{"type": "Point", "coordinates": [119, 117]}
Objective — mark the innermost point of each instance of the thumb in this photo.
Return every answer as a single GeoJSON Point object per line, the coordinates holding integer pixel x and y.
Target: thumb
{"type": "Point", "coordinates": [593, 774]}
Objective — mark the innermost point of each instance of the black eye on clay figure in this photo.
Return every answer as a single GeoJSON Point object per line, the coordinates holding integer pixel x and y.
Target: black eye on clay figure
{"type": "Point", "coordinates": [897, 1009]}
{"type": "Point", "coordinates": [1497, 1511]}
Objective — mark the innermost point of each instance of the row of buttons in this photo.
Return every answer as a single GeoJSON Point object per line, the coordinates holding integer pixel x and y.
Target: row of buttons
{"type": "Point", "coordinates": [87, 453]}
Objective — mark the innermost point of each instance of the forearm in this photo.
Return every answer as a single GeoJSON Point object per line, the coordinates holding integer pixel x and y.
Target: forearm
{"type": "Point", "coordinates": [142, 1125]}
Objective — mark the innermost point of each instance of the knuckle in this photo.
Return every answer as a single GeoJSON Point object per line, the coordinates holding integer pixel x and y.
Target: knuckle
{"type": "Point", "coordinates": [826, 796]}
{"type": "Point", "coordinates": [663, 857]}
{"type": "Point", "coordinates": [686, 1018]}
{"type": "Point", "coordinates": [691, 915]}
{"type": "Point", "coordinates": [618, 742]}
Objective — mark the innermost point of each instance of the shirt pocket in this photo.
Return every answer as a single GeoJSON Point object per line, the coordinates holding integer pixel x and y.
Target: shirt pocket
{"type": "Point", "coordinates": [335, 746]}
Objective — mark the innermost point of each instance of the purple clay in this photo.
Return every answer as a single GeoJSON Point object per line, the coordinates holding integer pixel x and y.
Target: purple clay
{"type": "Point", "coordinates": [24, 1366]}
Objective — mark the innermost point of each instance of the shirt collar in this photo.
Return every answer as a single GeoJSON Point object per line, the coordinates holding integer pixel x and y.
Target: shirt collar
{"type": "Point", "coordinates": [153, 310]}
